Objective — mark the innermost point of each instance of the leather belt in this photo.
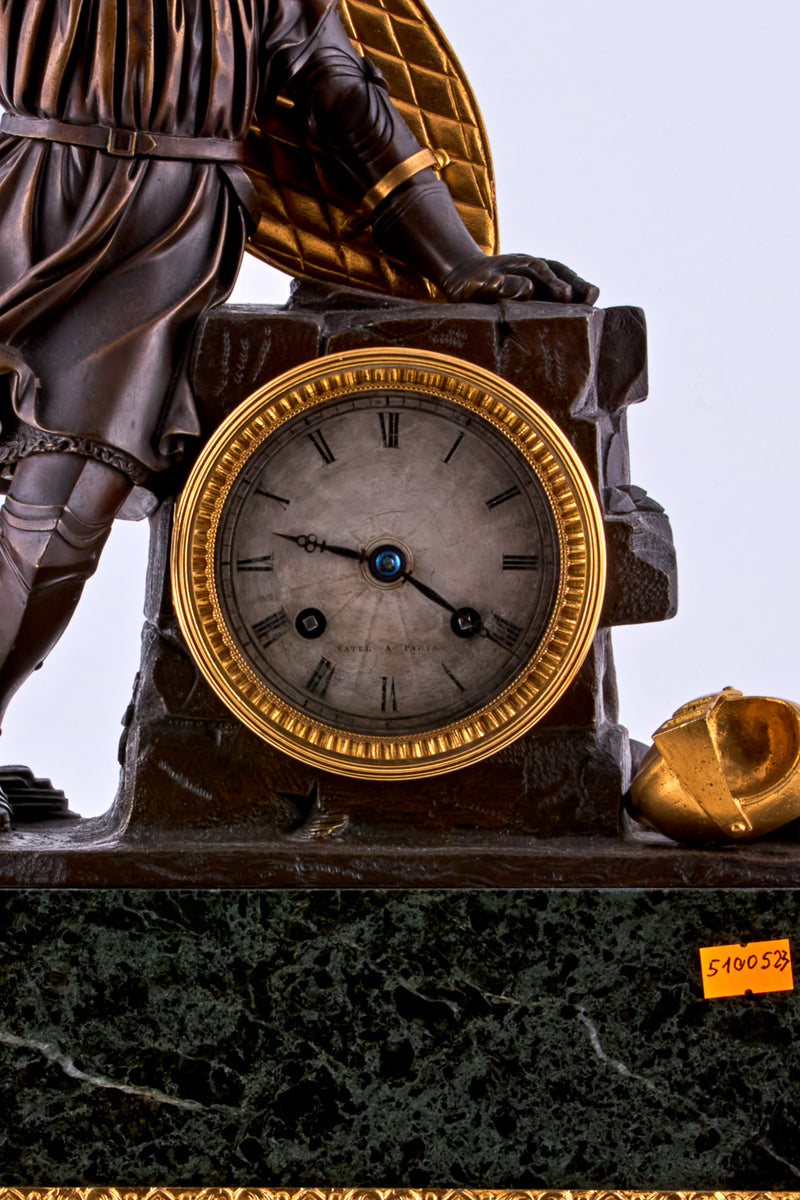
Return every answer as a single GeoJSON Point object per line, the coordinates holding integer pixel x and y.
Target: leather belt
{"type": "Point", "coordinates": [123, 143]}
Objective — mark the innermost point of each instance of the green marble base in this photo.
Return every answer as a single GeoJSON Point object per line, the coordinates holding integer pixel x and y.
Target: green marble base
{"type": "Point", "coordinates": [489, 1039]}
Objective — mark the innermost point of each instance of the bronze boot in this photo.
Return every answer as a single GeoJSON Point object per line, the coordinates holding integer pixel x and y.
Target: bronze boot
{"type": "Point", "coordinates": [53, 526]}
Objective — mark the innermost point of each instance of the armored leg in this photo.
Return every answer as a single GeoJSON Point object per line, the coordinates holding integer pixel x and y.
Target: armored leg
{"type": "Point", "coordinates": [53, 526]}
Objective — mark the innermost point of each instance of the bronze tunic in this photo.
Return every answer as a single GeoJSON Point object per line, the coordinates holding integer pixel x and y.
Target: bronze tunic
{"type": "Point", "coordinates": [107, 263]}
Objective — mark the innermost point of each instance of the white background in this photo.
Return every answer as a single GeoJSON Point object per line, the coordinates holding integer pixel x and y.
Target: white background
{"type": "Point", "coordinates": [653, 147]}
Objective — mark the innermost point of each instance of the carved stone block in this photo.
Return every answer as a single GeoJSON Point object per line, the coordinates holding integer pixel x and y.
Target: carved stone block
{"type": "Point", "coordinates": [183, 753]}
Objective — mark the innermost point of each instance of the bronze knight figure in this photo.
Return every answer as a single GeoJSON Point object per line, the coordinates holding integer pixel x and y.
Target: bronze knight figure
{"type": "Point", "coordinates": [124, 209]}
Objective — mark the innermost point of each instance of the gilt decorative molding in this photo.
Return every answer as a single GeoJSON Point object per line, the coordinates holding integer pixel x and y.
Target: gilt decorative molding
{"type": "Point", "coordinates": [366, 1193]}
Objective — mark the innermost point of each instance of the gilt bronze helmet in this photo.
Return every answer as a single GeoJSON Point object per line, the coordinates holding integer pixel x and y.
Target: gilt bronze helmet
{"type": "Point", "coordinates": [724, 768]}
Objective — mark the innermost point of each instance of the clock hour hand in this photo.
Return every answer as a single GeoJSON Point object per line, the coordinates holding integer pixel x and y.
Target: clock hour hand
{"type": "Point", "coordinates": [310, 542]}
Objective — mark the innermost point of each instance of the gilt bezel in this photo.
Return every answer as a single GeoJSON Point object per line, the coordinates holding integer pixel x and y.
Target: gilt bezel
{"type": "Point", "coordinates": [545, 675]}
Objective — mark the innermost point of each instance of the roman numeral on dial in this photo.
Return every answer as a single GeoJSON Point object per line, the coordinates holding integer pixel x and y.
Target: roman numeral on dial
{"type": "Point", "coordinates": [320, 678]}
{"type": "Point", "coordinates": [390, 430]}
{"type": "Point", "coordinates": [506, 633]}
{"type": "Point", "coordinates": [284, 503]}
{"type": "Point", "coordinates": [318, 442]}
{"type": "Point", "coordinates": [502, 497]}
{"type": "Point", "coordinates": [452, 677]}
{"type": "Point", "coordinates": [388, 694]}
{"type": "Point", "coordinates": [453, 448]}
{"type": "Point", "coordinates": [270, 628]}
{"type": "Point", "coordinates": [264, 563]}
{"type": "Point", "coordinates": [520, 562]}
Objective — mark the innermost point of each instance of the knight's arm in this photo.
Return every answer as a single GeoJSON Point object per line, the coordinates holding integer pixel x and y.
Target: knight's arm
{"type": "Point", "coordinates": [351, 118]}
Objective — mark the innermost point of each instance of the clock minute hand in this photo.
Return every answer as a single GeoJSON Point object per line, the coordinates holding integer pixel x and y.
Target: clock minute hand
{"type": "Point", "coordinates": [310, 542]}
{"type": "Point", "coordinates": [467, 619]}
{"type": "Point", "coordinates": [429, 592]}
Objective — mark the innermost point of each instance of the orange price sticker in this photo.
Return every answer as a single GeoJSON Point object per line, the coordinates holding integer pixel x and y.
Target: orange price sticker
{"type": "Point", "coordinates": [756, 967]}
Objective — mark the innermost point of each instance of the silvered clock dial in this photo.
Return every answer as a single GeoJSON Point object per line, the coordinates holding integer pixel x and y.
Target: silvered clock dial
{"type": "Point", "coordinates": [388, 563]}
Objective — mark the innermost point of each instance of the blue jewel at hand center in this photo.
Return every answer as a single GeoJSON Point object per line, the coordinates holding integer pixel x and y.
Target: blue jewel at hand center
{"type": "Point", "coordinates": [387, 563]}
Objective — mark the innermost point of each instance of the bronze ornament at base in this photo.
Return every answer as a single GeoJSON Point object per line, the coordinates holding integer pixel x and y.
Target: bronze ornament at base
{"type": "Point", "coordinates": [32, 799]}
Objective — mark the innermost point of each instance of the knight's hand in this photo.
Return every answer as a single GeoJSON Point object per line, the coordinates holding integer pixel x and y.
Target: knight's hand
{"type": "Point", "coordinates": [516, 277]}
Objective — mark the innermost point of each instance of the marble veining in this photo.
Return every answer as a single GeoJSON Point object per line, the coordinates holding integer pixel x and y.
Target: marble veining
{"type": "Point", "coordinates": [594, 1038]}
{"type": "Point", "coordinates": [67, 1064]}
